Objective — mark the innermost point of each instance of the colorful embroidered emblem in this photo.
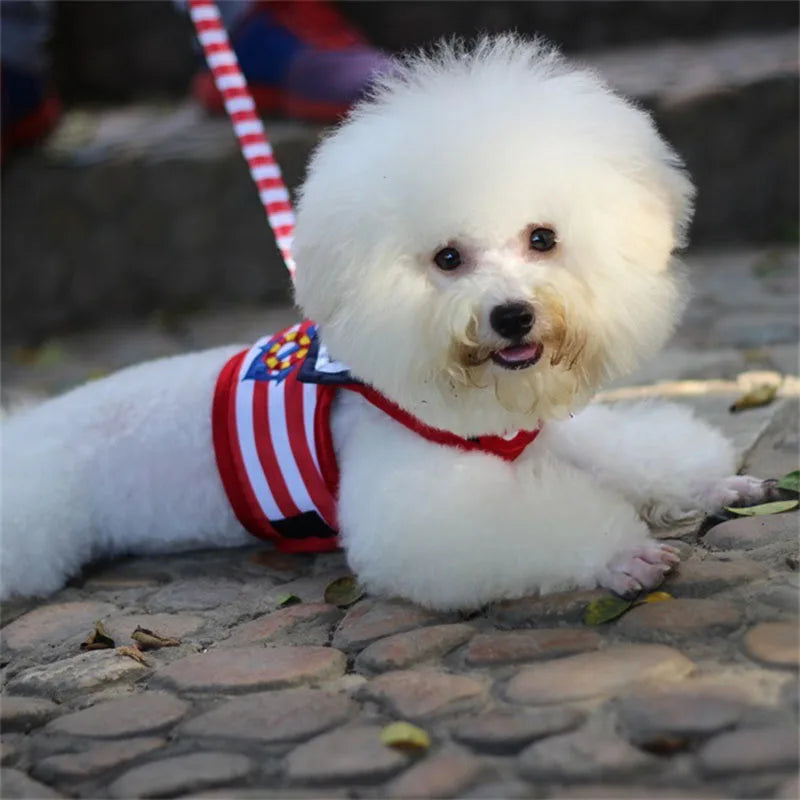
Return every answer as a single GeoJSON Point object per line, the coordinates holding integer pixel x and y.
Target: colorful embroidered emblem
{"type": "Point", "coordinates": [281, 354]}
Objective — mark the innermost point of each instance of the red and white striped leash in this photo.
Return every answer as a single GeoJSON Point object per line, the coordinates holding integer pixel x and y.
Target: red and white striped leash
{"type": "Point", "coordinates": [242, 111]}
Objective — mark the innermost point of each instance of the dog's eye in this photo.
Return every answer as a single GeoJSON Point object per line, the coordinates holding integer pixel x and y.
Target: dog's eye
{"type": "Point", "coordinates": [447, 258]}
{"type": "Point", "coordinates": [542, 239]}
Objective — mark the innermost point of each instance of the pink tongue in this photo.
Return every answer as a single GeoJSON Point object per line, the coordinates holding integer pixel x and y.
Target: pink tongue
{"type": "Point", "coordinates": [520, 352]}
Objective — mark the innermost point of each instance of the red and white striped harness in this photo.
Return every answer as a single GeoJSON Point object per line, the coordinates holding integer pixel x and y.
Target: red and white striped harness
{"type": "Point", "coordinates": [273, 442]}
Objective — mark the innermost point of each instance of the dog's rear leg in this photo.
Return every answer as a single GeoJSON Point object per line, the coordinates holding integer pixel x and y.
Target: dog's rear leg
{"type": "Point", "coordinates": [121, 465]}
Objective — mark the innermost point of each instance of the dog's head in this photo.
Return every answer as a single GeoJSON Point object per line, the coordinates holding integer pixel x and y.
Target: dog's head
{"type": "Point", "coordinates": [489, 237]}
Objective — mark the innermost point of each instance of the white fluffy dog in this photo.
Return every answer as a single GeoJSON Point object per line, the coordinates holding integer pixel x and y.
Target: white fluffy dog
{"type": "Point", "coordinates": [483, 243]}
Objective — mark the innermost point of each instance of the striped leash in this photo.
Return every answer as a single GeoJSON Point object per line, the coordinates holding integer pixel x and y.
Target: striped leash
{"type": "Point", "coordinates": [242, 111]}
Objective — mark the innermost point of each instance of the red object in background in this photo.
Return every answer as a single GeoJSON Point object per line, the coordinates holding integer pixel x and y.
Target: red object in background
{"type": "Point", "coordinates": [301, 60]}
{"type": "Point", "coordinates": [31, 127]}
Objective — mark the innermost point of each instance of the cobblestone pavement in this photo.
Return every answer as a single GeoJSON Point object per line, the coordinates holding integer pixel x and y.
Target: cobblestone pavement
{"type": "Point", "coordinates": [692, 697]}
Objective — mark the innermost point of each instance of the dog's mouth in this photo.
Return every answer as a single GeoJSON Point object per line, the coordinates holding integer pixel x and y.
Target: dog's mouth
{"type": "Point", "coordinates": [518, 356]}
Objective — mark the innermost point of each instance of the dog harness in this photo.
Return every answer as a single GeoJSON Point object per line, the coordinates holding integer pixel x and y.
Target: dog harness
{"type": "Point", "coordinates": [273, 442]}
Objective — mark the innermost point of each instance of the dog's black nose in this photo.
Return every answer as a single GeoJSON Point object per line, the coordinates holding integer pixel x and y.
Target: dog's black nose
{"type": "Point", "coordinates": [512, 320]}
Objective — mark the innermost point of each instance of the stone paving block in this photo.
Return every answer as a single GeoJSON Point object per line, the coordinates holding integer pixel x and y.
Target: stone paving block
{"type": "Point", "coordinates": [490, 649]}
{"type": "Point", "coordinates": [507, 789]}
{"type": "Point", "coordinates": [751, 750]}
{"type": "Point", "coordinates": [783, 598]}
{"type": "Point", "coordinates": [747, 533]}
{"type": "Point", "coordinates": [175, 626]}
{"type": "Point", "coordinates": [17, 785]}
{"type": "Point", "coordinates": [137, 715]}
{"type": "Point", "coordinates": [304, 624]}
{"type": "Point", "coordinates": [54, 624]}
{"type": "Point", "coordinates": [562, 608]}
{"type": "Point", "coordinates": [247, 669]}
{"type": "Point", "coordinates": [273, 717]}
{"type": "Point", "coordinates": [86, 672]}
{"type": "Point", "coordinates": [371, 619]}
{"type": "Point", "coordinates": [790, 790]}
{"type": "Point", "coordinates": [582, 755]}
{"type": "Point", "coordinates": [776, 451]}
{"type": "Point", "coordinates": [501, 733]}
{"type": "Point", "coordinates": [658, 622]}
{"type": "Point", "coordinates": [181, 775]}
{"type": "Point", "coordinates": [626, 791]}
{"type": "Point", "coordinates": [11, 745]}
{"type": "Point", "coordinates": [596, 674]}
{"type": "Point", "coordinates": [283, 566]}
{"type": "Point", "coordinates": [444, 774]}
{"type": "Point", "coordinates": [194, 594]}
{"type": "Point", "coordinates": [424, 693]}
{"type": "Point", "coordinates": [346, 755]}
{"type": "Point", "coordinates": [24, 713]}
{"type": "Point", "coordinates": [697, 578]}
{"type": "Point", "coordinates": [774, 643]}
{"type": "Point", "coordinates": [118, 583]}
{"type": "Point", "coordinates": [73, 767]}
{"type": "Point", "coordinates": [668, 719]}
{"type": "Point", "coordinates": [406, 649]}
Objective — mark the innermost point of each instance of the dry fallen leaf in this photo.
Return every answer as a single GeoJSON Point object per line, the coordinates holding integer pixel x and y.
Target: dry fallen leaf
{"type": "Point", "coordinates": [778, 507]}
{"type": "Point", "coordinates": [343, 591]}
{"type": "Point", "coordinates": [657, 597]}
{"type": "Point", "coordinates": [133, 652]}
{"type": "Point", "coordinates": [405, 736]}
{"type": "Point", "coordinates": [98, 639]}
{"type": "Point", "coordinates": [758, 396]}
{"type": "Point", "coordinates": [151, 640]}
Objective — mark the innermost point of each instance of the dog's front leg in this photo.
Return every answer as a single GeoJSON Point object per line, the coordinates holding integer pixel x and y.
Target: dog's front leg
{"type": "Point", "coordinates": [667, 462]}
{"type": "Point", "coordinates": [454, 529]}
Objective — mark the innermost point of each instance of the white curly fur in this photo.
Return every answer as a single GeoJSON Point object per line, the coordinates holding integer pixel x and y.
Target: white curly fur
{"type": "Point", "coordinates": [468, 149]}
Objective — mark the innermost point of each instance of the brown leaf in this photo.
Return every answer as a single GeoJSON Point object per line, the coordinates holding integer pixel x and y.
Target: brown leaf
{"type": "Point", "coordinates": [657, 597]}
{"type": "Point", "coordinates": [133, 652]}
{"type": "Point", "coordinates": [151, 640]}
{"type": "Point", "coordinates": [98, 639]}
{"type": "Point", "coordinates": [760, 395]}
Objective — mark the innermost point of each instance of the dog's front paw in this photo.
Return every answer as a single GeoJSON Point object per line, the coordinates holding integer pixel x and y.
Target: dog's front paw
{"type": "Point", "coordinates": [736, 490]}
{"type": "Point", "coordinates": [639, 569]}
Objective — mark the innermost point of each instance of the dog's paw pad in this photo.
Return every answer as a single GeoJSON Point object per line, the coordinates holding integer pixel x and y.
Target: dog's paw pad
{"type": "Point", "coordinates": [639, 569]}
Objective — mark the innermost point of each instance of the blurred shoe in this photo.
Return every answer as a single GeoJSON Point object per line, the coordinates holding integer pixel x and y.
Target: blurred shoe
{"type": "Point", "coordinates": [29, 110]}
{"type": "Point", "coordinates": [301, 59]}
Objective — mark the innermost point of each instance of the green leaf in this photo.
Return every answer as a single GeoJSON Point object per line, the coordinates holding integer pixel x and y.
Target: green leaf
{"type": "Point", "coordinates": [288, 600]}
{"type": "Point", "coordinates": [605, 609]}
{"type": "Point", "coordinates": [790, 481]}
{"type": "Point", "coordinates": [344, 591]}
{"type": "Point", "coordinates": [405, 736]}
{"type": "Point", "coordinates": [778, 507]}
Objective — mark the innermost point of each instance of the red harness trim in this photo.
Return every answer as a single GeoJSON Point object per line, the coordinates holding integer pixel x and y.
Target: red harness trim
{"type": "Point", "coordinates": [507, 449]}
